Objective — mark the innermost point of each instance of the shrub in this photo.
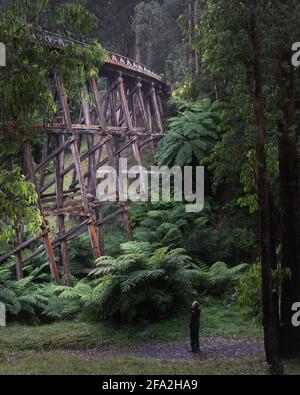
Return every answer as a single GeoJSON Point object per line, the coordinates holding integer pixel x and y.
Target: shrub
{"type": "Point", "coordinates": [219, 279]}
{"type": "Point", "coordinates": [171, 225]}
{"type": "Point", "coordinates": [34, 299]}
{"type": "Point", "coordinates": [81, 254]}
{"type": "Point", "coordinates": [24, 299]}
{"type": "Point", "coordinates": [238, 238]}
{"type": "Point", "coordinates": [248, 293]}
{"type": "Point", "coordinates": [191, 134]}
{"type": "Point", "coordinates": [142, 284]}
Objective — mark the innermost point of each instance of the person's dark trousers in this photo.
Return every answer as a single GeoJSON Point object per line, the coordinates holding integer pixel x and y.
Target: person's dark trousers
{"type": "Point", "coordinates": [195, 344]}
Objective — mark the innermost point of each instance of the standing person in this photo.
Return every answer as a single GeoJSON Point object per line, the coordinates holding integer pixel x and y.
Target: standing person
{"type": "Point", "coordinates": [195, 327]}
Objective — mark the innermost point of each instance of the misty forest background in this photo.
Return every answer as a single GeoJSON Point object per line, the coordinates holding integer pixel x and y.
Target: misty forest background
{"type": "Point", "coordinates": [233, 108]}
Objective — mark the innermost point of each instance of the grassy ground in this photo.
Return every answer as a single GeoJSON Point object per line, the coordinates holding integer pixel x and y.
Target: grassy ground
{"type": "Point", "coordinates": [52, 362]}
{"type": "Point", "coordinates": [217, 320]}
{"type": "Point", "coordinates": [47, 363]}
{"type": "Point", "coordinates": [37, 350]}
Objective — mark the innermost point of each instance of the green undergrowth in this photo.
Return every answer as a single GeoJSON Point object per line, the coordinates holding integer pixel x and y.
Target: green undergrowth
{"type": "Point", "coordinates": [218, 319]}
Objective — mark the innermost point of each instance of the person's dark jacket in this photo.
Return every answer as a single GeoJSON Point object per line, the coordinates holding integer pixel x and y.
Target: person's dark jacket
{"type": "Point", "coordinates": [195, 320]}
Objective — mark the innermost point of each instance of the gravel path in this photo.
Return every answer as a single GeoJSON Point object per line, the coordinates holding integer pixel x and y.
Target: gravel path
{"type": "Point", "coordinates": [211, 348]}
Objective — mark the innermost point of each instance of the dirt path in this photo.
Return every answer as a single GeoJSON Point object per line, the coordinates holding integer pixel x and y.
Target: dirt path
{"type": "Point", "coordinates": [211, 348]}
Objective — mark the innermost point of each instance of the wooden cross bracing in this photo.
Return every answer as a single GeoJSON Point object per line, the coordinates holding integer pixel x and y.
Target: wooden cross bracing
{"type": "Point", "coordinates": [128, 116]}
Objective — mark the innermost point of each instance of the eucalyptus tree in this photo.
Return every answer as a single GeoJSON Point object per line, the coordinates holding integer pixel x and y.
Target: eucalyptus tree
{"type": "Point", "coordinates": [246, 47]}
{"type": "Point", "coordinates": [285, 31]}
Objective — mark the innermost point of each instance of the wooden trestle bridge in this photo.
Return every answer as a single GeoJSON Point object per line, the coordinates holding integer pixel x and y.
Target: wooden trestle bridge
{"type": "Point", "coordinates": [127, 117]}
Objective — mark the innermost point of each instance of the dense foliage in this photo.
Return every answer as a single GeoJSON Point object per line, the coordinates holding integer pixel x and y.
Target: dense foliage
{"type": "Point", "coordinates": [143, 284]}
{"type": "Point", "coordinates": [25, 97]}
{"type": "Point", "coordinates": [190, 135]}
{"type": "Point", "coordinates": [234, 110]}
{"type": "Point", "coordinates": [17, 196]}
{"type": "Point", "coordinates": [248, 293]}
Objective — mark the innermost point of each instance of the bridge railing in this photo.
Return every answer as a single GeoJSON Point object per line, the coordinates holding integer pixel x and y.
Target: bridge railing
{"type": "Point", "coordinates": [60, 42]}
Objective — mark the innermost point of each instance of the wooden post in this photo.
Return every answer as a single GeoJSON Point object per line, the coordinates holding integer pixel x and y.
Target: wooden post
{"type": "Point", "coordinates": [59, 167]}
{"type": "Point", "coordinates": [97, 100]}
{"type": "Point", "coordinates": [141, 102]}
{"type": "Point", "coordinates": [125, 103]}
{"type": "Point", "coordinates": [47, 242]}
{"type": "Point", "coordinates": [149, 116]}
{"type": "Point", "coordinates": [125, 217]}
{"type": "Point", "coordinates": [92, 175]}
{"type": "Point", "coordinates": [94, 240]}
{"type": "Point", "coordinates": [156, 108]}
{"type": "Point", "coordinates": [44, 156]}
{"type": "Point", "coordinates": [112, 102]}
{"type": "Point", "coordinates": [59, 180]}
{"type": "Point", "coordinates": [78, 140]}
{"type": "Point", "coordinates": [160, 103]}
{"type": "Point", "coordinates": [102, 123]}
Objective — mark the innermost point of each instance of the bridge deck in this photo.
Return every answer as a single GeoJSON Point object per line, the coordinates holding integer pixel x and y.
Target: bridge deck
{"type": "Point", "coordinates": [115, 60]}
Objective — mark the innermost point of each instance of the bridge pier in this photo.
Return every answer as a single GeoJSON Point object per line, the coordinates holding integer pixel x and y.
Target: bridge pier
{"type": "Point", "coordinates": [128, 116]}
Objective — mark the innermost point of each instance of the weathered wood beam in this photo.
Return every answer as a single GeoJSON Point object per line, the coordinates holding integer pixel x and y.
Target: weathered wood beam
{"type": "Point", "coordinates": [124, 102]}
{"type": "Point", "coordinates": [59, 181]}
{"type": "Point", "coordinates": [82, 159]}
{"type": "Point", "coordinates": [97, 99]}
{"type": "Point", "coordinates": [58, 128]}
{"type": "Point", "coordinates": [44, 227]}
{"type": "Point", "coordinates": [156, 108]}
{"type": "Point", "coordinates": [143, 109]}
{"type": "Point", "coordinates": [77, 231]}
{"type": "Point", "coordinates": [21, 247]}
{"type": "Point", "coordinates": [105, 161]}
{"type": "Point", "coordinates": [44, 156]}
{"type": "Point", "coordinates": [92, 174]}
{"type": "Point", "coordinates": [57, 151]}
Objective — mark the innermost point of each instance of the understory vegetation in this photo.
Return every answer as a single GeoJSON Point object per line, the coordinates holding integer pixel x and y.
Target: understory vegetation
{"type": "Point", "coordinates": [233, 108]}
{"type": "Point", "coordinates": [143, 284]}
{"type": "Point", "coordinates": [177, 256]}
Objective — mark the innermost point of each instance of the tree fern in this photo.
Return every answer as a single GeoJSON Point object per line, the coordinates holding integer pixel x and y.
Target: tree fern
{"type": "Point", "coordinates": [219, 278]}
{"type": "Point", "coordinates": [175, 228]}
{"type": "Point", "coordinates": [190, 135]}
{"type": "Point", "coordinates": [143, 283]}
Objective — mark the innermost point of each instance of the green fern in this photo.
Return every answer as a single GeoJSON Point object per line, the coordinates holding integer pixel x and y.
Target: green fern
{"type": "Point", "coordinates": [219, 278]}
{"type": "Point", "coordinates": [190, 136]}
{"type": "Point", "coordinates": [143, 283]}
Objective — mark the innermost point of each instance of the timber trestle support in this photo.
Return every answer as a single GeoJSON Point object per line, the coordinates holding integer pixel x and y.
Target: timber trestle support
{"type": "Point", "coordinates": [121, 113]}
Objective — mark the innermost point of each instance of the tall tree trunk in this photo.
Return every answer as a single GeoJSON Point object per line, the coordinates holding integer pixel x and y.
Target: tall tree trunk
{"type": "Point", "coordinates": [190, 34]}
{"type": "Point", "coordinates": [196, 21]}
{"type": "Point", "coordinates": [137, 47]}
{"type": "Point", "coordinates": [149, 54]}
{"type": "Point", "coordinates": [276, 292]}
{"type": "Point", "coordinates": [267, 253]}
{"type": "Point", "coordinates": [289, 195]}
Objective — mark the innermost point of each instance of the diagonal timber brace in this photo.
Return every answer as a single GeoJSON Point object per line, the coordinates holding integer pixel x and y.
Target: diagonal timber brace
{"type": "Point", "coordinates": [121, 121]}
